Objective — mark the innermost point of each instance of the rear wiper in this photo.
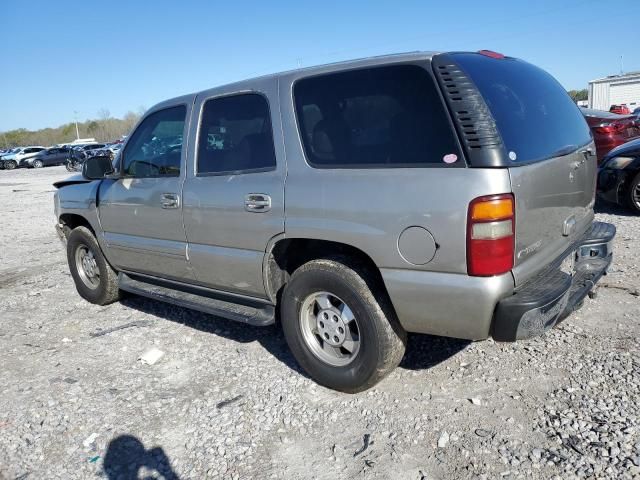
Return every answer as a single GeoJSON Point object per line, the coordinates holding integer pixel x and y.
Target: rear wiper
{"type": "Point", "coordinates": [566, 150]}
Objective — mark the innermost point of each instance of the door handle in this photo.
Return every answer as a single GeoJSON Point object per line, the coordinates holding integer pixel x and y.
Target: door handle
{"type": "Point", "coordinates": [170, 200]}
{"type": "Point", "coordinates": [257, 202]}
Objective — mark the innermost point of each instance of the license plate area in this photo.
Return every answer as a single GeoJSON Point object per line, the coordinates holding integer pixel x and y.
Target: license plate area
{"type": "Point", "coordinates": [600, 250]}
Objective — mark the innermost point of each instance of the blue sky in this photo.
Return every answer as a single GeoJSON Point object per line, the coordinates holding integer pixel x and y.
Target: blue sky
{"type": "Point", "coordinates": [61, 56]}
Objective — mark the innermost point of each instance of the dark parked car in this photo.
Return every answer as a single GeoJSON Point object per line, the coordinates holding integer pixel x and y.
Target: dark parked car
{"type": "Point", "coordinates": [619, 176]}
{"type": "Point", "coordinates": [109, 150]}
{"type": "Point", "coordinates": [79, 153]}
{"type": "Point", "coordinates": [49, 157]}
{"type": "Point", "coordinates": [610, 129]}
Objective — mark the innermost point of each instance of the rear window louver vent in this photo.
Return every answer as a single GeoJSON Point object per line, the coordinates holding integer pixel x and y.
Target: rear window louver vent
{"type": "Point", "coordinates": [475, 124]}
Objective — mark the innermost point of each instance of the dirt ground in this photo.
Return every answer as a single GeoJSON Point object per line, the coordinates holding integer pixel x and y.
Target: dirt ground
{"type": "Point", "coordinates": [228, 400]}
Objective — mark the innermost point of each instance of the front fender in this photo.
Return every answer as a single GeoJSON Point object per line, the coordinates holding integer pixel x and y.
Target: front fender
{"type": "Point", "coordinates": [78, 197]}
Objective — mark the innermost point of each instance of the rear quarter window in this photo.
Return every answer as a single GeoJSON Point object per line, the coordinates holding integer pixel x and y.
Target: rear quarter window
{"type": "Point", "coordinates": [374, 118]}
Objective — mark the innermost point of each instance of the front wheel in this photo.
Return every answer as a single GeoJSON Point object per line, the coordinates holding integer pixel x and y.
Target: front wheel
{"type": "Point", "coordinates": [70, 166]}
{"type": "Point", "coordinates": [95, 280]}
{"type": "Point", "coordinates": [10, 164]}
{"type": "Point", "coordinates": [340, 326]}
{"type": "Point", "coordinates": [633, 194]}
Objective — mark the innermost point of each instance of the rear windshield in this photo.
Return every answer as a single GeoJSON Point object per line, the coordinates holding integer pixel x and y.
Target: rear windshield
{"type": "Point", "coordinates": [535, 116]}
{"type": "Point", "coordinates": [589, 112]}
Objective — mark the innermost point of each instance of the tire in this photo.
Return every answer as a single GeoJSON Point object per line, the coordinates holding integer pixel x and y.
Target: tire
{"type": "Point", "coordinates": [37, 164]}
{"type": "Point", "coordinates": [100, 289]}
{"type": "Point", "coordinates": [69, 167]}
{"type": "Point", "coordinates": [632, 194]}
{"type": "Point", "coordinates": [1, 164]}
{"type": "Point", "coordinates": [10, 164]}
{"type": "Point", "coordinates": [380, 342]}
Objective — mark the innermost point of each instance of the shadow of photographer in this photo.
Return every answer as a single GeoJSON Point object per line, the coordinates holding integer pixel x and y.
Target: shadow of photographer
{"type": "Point", "coordinates": [126, 459]}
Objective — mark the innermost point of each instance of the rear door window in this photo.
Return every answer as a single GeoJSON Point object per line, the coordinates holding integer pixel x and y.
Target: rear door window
{"type": "Point", "coordinates": [534, 114]}
{"type": "Point", "coordinates": [374, 118]}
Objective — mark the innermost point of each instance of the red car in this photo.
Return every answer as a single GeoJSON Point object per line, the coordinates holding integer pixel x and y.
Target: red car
{"type": "Point", "coordinates": [610, 130]}
{"type": "Point", "coordinates": [620, 109]}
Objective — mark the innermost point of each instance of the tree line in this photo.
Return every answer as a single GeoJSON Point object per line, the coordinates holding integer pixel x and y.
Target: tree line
{"type": "Point", "coordinates": [104, 128]}
{"type": "Point", "coordinates": [577, 95]}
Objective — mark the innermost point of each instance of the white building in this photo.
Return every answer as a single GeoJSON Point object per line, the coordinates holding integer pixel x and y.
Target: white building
{"type": "Point", "coordinates": [615, 90]}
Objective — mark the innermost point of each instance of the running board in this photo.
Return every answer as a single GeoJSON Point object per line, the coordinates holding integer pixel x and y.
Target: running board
{"type": "Point", "coordinates": [258, 315]}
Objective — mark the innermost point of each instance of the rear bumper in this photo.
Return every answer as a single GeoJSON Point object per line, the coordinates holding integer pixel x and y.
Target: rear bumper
{"type": "Point", "coordinates": [554, 293]}
{"type": "Point", "coordinates": [446, 304]}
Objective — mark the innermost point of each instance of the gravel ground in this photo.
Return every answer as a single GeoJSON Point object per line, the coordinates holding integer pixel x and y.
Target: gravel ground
{"type": "Point", "coordinates": [228, 401]}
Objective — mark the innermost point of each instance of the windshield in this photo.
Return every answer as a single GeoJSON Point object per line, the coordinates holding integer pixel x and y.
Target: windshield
{"type": "Point", "coordinates": [534, 114]}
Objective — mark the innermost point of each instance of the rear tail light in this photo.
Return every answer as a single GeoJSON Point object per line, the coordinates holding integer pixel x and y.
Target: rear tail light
{"type": "Point", "coordinates": [612, 127]}
{"type": "Point", "coordinates": [490, 235]}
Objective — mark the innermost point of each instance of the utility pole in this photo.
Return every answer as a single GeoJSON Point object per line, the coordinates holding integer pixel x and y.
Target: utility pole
{"type": "Point", "coordinates": [621, 64]}
{"type": "Point", "coordinates": [75, 118]}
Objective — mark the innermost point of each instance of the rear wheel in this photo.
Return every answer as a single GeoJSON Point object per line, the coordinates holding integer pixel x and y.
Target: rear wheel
{"type": "Point", "coordinates": [10, 164]}
{"type": "Point", "coordinates": [633, 194]}
{"type": "Point", "coordinates": [37, 164]}
{"type": "Point", "coordinates": [340, 325]}
{"type": "Point", "coordinates": [95, 280]}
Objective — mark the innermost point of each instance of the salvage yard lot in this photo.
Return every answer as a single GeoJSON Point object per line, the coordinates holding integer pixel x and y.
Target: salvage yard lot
{"type": "Point", "coordinates": [228, 401]}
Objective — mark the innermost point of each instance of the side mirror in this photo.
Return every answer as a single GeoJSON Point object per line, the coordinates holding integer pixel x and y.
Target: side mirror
{"type": "Point", "coordinates": [96, 168]}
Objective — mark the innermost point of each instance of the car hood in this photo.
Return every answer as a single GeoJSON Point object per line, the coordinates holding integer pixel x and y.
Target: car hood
{"type": "Point", "coordinates": [631, 148]}
{"type": "Point", "coordinates": [11, 156]}
{"type": "Point", "coordinates": [73, 180]}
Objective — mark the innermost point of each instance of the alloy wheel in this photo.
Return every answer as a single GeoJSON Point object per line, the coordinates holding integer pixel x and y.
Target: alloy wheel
{"type": "Point", "coordinates": [87, 267]}
{"type": "Point", "coordinates": [330, 329]}
{"type": "Point", "coordinates": [635, 196]}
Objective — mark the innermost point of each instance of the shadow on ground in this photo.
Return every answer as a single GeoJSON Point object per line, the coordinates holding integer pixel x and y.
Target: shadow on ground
{"type": "Point", "coordinates": [426, 351]}
{"type": "Point", "coordinates": [423, 351]}
{"type": "Point", "coordinates": [126, 458]}
{"type": "Point", "coordinates": [270, 338]}
{"type": "Point", "coordinates": [612, 209]}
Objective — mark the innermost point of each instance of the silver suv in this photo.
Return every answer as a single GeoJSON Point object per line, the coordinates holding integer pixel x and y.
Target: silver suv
{"type": "Point", "coordinates": [450, 194]}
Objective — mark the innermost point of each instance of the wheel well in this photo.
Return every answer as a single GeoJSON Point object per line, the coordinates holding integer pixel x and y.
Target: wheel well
{"type": "Point", "coordinates": [71, 221]}
{"type": "Point", "coordinates": [289, 254]}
